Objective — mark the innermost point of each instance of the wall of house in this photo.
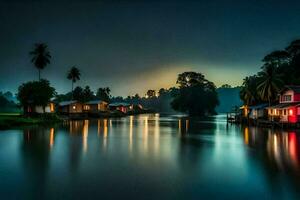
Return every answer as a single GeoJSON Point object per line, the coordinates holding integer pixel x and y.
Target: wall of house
{"type": "Point", "coordinates": [293, 117]}
{"type": "Point", "coordinates": [102, 107]}
{"type": "Point", "coordinates": [288, 92]}
{"type": "Point", "coordinates": [296, 97]}
{"type": "Point", "coordinates": [40, 109]}
{"type": "Point", "coordinates": [75, 108]}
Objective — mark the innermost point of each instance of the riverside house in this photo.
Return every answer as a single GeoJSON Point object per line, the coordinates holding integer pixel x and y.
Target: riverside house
{"type": "Point", "coordinates": [95, 106]}
{"type": "Point", "coordinates": [70, 107]}
{"type": "Point", "coordinates": [120, 106]}
{"type": "Point", "coordinates": [49, 108]}
{"type": "Point", "coordinates": [288, 109]}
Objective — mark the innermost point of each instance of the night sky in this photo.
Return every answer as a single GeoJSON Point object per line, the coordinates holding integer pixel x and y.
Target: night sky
{"type": "Point", "coordinates": [135, 45]}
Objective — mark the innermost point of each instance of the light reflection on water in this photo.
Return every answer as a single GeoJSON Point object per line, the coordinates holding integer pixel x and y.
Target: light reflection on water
{"type": "Point", "coordinates": [149, 156]}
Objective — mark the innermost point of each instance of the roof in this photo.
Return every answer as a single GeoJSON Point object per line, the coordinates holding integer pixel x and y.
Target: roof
{"type": "Point", "coordinates": [96, 102]}
{"type": "Point", "coordinates": [66, 103]}
{"type": "Point", "coordinates": [259, 106]}
{"type": "Point", "coordinates": [285, 105]}
{"type": "Point", "coordinates": [295, 88]}
{"type": "Point", "coordinates": [119, 104]}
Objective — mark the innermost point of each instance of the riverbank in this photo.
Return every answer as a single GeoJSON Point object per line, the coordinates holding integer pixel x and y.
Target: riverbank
{"type": "Point", "coordinates": [10, 120]}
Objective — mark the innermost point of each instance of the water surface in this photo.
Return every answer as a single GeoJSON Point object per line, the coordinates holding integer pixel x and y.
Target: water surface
{"type": "Point", "coordinates": [149, 157]}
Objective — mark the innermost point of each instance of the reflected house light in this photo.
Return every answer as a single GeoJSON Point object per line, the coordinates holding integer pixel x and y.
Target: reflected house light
{"type": "Point", "coordinates": [85, 132]}
{"type": "Point", "coordinates": [51, 140]}
{"type": "Point", "coordinates": [186, 125]}
{"type": "Point", "coordinates": [246, 135]}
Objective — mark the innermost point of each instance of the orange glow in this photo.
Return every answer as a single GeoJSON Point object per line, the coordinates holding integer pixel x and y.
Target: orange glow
{"type": "Point", "coordinates": [51, 107]}
{"type": "Point", "coordinates": [291, 111]}
{"type": "Point", "coordinates": [51, 140]}
{"type": "Point", "coordinates": [246, 135]}
{"type": "Point", "coordinates": [85, 133]}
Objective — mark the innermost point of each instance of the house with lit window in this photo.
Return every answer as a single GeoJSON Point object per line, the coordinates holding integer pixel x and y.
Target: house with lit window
{"type": "Point", "coordinates": [258, 111]}
{"type": "Point", "coordinates": [70, 107]}
{"type": "Point", "coordinates": [49, 108]}
{"type": "Point", "coordinates": [120, 106]}
{"type": "Point", "coordinates": [288, 109]}
{"type": "Point", "coordinates": [95, 106]}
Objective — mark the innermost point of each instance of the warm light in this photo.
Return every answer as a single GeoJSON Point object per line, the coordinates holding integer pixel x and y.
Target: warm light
{"type": "Point", "coordinates": [74, 107]}
{"type": "Point", "coordinates": [86, 107]}
{"type": "Point", "coordinates": [51, 107]}
{"type": "Point", "coordinates": [291, 111]}
{"type": "Point", "coordinates": [51, 142]}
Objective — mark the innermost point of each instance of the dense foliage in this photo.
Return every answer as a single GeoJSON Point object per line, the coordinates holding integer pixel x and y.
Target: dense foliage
{"type": "Point", "coordinates": [35, 93]}
{"type": "Point", "coordinates": [280, 67]}
{"type": "Point", "coordinates": [196, 95]}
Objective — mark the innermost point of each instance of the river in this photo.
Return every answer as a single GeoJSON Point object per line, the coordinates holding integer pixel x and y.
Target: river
{"type": "Point", "coordinates": [149, 156]}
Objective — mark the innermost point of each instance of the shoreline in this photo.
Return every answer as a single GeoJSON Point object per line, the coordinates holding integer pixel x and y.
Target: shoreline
{"type": "Point", "coordinates": [15, 120]}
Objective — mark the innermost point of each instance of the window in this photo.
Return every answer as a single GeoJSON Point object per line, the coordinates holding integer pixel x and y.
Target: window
{"type": "Point", "coordinates": [86, 107]}
{"type": "Point", "coordinates": [287, 98]}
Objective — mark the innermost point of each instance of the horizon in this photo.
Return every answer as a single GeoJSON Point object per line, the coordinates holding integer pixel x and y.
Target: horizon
{"type": "Point", "coordinates": [135, 46]}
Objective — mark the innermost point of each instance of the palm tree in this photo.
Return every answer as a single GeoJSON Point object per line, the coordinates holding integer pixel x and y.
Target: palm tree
{"type": "Point", "coordinates": [73, 75]}
{"type": "Point", "coordinates": [40, 57]}
{"type": "Point", "coordinates": [270, 83]}
{"type": "Point", "coordinates": [248, 92]}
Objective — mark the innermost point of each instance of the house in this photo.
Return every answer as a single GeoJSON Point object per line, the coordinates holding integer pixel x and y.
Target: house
{"type": "Point", "coordinates": [49, 108]}
{"type": "Point", "coordinates": [70, 107]}
{"type": "Point", "coordinates": [258, 111]}
{"type": "Point", "coordinates": [120, 106]}
{"type": "Point", "coordinates": [288, 109]}
{"type": "Point", "coordinates": [95, 106]}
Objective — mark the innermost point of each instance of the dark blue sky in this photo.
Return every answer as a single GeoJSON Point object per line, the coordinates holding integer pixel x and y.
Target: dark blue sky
{"type": "Point", "coordinates": [132, 45]}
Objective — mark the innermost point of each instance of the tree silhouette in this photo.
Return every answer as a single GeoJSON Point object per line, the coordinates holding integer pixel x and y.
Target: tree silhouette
{"type": "Point", "coordinates": [270, 85]}
{"type": "Point", "coordinates": [103, 94]}
{"type": "Point", "coordinates": [73, 75]}
{"type": "Point", "coordinates": [40, 57]}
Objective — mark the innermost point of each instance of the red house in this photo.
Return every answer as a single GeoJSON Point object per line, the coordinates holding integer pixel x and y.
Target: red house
{"type": "Point", "coordinates": [288, 109]}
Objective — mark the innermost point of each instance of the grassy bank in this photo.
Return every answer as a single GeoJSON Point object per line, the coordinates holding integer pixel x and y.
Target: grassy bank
{"type": "Point", "coordinates": [10, 120]}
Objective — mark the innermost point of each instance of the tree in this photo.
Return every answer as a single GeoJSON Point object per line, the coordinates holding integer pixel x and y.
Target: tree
{"type": "Point", "coordinates": [151, 93]}
{"type": "Point", "coordinates": [103, 94]}
{"type": "Point", "coordinates": [196, 95]}
{"type": "Point", "coordinates": [35, 93]}
{"type": "Point", "coordinates": [88, 95]}
{"type": "Point", "coordinates": [226, 86]}
{"type": "Point", "coordinates": [40, 57]}
{"type": "Point", "coordinates": [78, 94]}
{"type": "Point", "coordinates": [276, 58]}
{"type": "Point", "coordinates": [270, 84]}
{"type": "Point", "coordinates": [73, 75]}
{"type": "Point", "coordinates": [249, 90]}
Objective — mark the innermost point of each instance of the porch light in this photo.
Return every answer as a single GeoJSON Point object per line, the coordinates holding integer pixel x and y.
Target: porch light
{"type": "Point", "coordinates": [291, 111]}
{"type": "Point", "coordinates": [74, 107]}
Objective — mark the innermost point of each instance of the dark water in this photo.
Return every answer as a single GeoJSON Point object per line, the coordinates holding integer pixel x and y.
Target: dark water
{"type": "Point", "coordinates": [149, 157]}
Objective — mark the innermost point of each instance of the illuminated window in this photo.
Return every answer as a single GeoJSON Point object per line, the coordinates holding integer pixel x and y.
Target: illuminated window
{"type": "Point", "coordinates": [287, 98]}
{"type": "Point", "coordinates": [86, 107]}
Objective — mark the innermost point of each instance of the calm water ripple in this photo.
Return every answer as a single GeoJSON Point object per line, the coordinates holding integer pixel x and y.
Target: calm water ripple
{"type": "Point", "coordinates": [149, 157]}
